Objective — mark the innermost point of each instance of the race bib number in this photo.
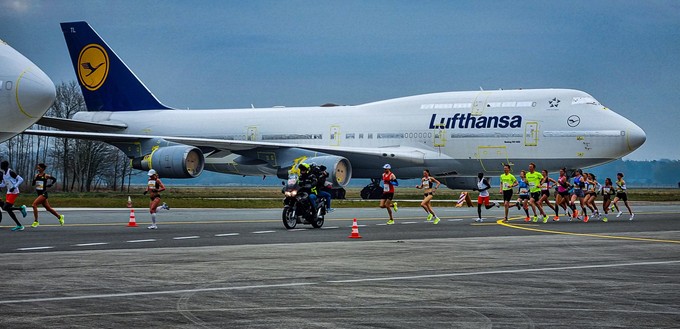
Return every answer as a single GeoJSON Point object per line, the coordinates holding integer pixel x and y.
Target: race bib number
{"type": "Point", "coordinates": [40, 185]}
{"type": "Point", "coordinates": [386, 187]}
{"type": "Point", "coordinates": [524, 190]}
{"type": "Point", "coordinates": [607, 190]}
{"type": "Point", "coordinates": [506, 185]}
{"type": "Point", "coordinates": [151, 184]}
{"type": "Point", "coordinates": [544, 186]}
{"type": "Point", "coordinates": [532, 185]}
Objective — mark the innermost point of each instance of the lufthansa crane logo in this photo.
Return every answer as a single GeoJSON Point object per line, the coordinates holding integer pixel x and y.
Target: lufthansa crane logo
{"type": "Point", "coordinates": [93, 66]}
{"type": "Point", "coordinates": [573, 121]}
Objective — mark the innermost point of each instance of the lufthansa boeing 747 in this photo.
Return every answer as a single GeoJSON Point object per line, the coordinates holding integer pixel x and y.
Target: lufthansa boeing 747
{"type": "Point", "coordinates": [453, 134]}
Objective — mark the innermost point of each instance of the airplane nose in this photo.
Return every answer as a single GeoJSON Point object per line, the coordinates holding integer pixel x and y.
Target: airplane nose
{"type": "Point", "coordinates": [636, 137]}
{"type": "Point", "coordinates": [35, 93]}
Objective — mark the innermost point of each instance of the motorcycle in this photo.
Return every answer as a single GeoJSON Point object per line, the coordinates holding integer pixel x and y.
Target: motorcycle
{"type": "Point", "coordinates": [297, 207]}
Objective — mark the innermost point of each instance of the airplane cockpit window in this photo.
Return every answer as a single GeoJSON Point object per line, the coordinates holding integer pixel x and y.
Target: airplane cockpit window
{"type": "Point", "coordinates": [584, 100]}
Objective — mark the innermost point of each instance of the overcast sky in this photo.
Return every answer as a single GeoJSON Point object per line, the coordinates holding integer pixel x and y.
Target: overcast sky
{"type": "Point", "coordinates": [226, 54]}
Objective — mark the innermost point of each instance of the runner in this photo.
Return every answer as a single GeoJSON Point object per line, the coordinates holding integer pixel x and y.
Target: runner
{"type": "Point", "coordinates": [426, 184]}
{"type": "Point", "coordinates": [524, 194]}
{"type": "Point", "coordinates": [483, 187]}
{"type": "Point", "coordinates": [11, 180]}
{"type": "Point", "coordinates": [534, 179]}
{"type": "Point", "coordinates": [607, 192]}
{"type": "Point", "coordinates": [593, 187]}
{"type": "Point", "coordinates": [154, 187]}
{"type": "Point", "coordinates": [579, 185]}
{"type": "Point", "coordinates": [508, 181]}
{"type": "Point", "coordinates": [389, 182]}
{"type": "Point", "coordinates": [562, 197]}
{"type": "Point", "coordinates": [41, 185]}
{"type": "Point", "coordinates": [546, 184]}
{"type": "Point", "coordinates": [622, 195]}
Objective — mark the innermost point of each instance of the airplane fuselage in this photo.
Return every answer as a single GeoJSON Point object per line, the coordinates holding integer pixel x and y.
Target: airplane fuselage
{"type": "Point", "coordinates": [463, 133]}
{"type": "Point", "coordinates": [26, 92]}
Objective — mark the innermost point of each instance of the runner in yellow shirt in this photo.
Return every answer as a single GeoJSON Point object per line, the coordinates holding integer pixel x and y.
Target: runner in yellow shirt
{"type": "Point", "coordinates": [534, 179]}
{"type": "Point", "coordinates": [508, 181]}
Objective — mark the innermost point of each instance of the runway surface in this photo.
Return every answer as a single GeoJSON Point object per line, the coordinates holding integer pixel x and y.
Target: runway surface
{"type": "Point", "coordinates": [240, 268]}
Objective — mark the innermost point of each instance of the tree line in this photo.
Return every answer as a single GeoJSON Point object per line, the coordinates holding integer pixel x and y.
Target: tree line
{"type": "Point", "coordinates": [78, 165]}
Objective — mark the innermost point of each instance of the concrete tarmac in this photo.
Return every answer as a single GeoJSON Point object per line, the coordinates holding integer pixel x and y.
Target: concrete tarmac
{"type": "Point", "coordinates": [225, 268]}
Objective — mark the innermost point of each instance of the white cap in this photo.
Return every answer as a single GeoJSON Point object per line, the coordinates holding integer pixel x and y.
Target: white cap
{"type": "Point", "coordinates": [387, 166]}
{"type": "Point", "coordinates": [152, 172]}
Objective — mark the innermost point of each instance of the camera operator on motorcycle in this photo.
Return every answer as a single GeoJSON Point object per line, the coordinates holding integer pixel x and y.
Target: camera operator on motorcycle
{"type": "Point", "coordinates": [308, 183]}
{"type": "Point", "coordinates": [321, 188]}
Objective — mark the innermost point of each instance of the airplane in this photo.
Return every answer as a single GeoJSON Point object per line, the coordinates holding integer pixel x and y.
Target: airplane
{"type": "Point", "coordinates": [26, 92]}
{"type": "Point", "coordinates": [453, 134]}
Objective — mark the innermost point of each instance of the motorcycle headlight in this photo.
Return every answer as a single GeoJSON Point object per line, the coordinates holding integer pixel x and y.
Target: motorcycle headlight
{"type": "Point", "coordinates": [293, 193]}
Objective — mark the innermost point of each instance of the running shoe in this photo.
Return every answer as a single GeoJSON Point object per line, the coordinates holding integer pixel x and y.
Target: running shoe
{"type": "Point", "coordinates": [390, 222]}
{"type": "Point", "coordinates": [527, 219]}
{"type": "Point", "coordinates": [35, 224]}
{"type": "Point", "coordinates": [330, 210]}
{"type": "Point", "coordinates": [575, 214]}
{"type": "Point", "coordinates": [61, 220]}
{"type": "Point", "coordinates": [165, 206]}
{"type": "Point", "coordinates": [505, 220]}
{"type": "Point", "coordinates": [498, 204]}
{"type": "Point", "coordinates": [619, 214]}
{"type": "Point", "coordinates": [18, 228]}
{"type": "Point", "coordinates": [535, 218]}
{"type": "Point", "coordinates": [429, 217]}
{"type": "Point", "coordinates": [556, 219]}
{"type": "Point", "coordinates": [631, 216]}
{"type": "Point", "coordinates": [152, 227]}
{"type": "Point", "coordinates": [23, 210]}
{"type": "Point", "coordinates": [585, 219]}
{"type": "Point", "coordinates": [394, 206]}
{"type": "Point", "coordinates": [545, 219]}
{"type": "Point", "coordinates": [604, 219]}
{"type": "Point", "coordinates": [613, 208]}
{"type": "Point", "coordinates": [436, 220]}
{"type": "Point", "coordinates": [479, 220]}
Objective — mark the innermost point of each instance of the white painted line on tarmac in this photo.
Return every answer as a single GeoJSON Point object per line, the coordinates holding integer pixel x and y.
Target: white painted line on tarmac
{"type": "Point", "coordinates": [263, 232]}
{"type": "Point", "coordinates": [455, 220]}
{"type": "Point", "coordinates": [227, 234]}
{"type": "Point", "coordinates": [298, 284]}
{"type": "Point", "coordinates": [34, 248]}
{"type": "Point", "coordinates": [330, 227]}
{"type": "Point", "coordinates": [138, 241]}
{"type": "Point", "coordinates": [186, 237]}
{"type": "Point", "coordinates": [90, 244]}
{"type": "Point", "coordinates": [297, 229]}
{"type": "Point", "coordinates": [408, 223]}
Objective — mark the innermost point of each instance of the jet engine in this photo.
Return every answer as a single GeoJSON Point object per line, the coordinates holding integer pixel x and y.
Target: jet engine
{"type": "Point", "coordinates": [339, 169]}
{"type": "Point", "coordinates": [178, 161]}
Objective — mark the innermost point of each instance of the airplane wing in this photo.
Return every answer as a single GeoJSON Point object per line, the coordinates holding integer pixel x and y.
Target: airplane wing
{"type": "Point", "coordinates": [412, 155]}
{"type": "Point", "coordinates": [77, 125]}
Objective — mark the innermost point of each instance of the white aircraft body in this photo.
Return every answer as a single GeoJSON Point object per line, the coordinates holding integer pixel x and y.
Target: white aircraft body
{"type": "Point", "coordinates": [453, 134]}
{"type": "Point", "coordinates": [26, 92]}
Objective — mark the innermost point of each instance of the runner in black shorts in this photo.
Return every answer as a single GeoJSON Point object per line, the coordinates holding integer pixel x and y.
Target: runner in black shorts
{"type": "Point", "coordinates": [621, 195]}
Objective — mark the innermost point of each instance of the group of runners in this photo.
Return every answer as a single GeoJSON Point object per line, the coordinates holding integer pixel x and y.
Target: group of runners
{"type": "Point", "coordinates": [534, 191]}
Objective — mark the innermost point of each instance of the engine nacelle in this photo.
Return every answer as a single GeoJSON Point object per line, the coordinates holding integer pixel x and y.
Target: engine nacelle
{"type": "Point", "coordinates": [339, 169]}
{"type": "Point", "coordinates": [178, 161]}
{"type": "Point", "coordinates": [461, 183]}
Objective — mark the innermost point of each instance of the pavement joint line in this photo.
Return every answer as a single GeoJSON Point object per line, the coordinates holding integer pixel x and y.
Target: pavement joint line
{"type": "Point", "coordinates": [592, 235]}
{"type": "Point", "coordinates": [299, 284]}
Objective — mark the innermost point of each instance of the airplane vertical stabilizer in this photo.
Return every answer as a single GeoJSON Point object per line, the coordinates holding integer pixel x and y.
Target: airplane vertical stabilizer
{"type": "Point", "coordinates": [107, 83]}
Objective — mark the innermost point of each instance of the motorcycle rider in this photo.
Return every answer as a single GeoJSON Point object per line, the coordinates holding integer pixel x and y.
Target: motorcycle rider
{"type": "Point", "coordinates": [321, 188]}
{"type": "Point", "coordinates": [308, 183]}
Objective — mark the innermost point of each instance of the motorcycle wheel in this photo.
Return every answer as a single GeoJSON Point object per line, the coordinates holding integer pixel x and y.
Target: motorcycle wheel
{"type": "Point", "coordinates": [288, 216]}
{"type": "Point", "coordinates": [320, 214]}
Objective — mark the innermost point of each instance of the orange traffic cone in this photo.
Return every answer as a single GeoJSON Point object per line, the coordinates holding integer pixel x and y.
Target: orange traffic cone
{"type": "Point", "coordinates": [132, 222]}
{"type": "Point", "coordinates": [355, 231]}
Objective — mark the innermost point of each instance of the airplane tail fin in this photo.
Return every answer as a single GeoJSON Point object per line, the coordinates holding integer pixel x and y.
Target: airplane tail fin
{"type": "Point", "coordinates": [107, 83]}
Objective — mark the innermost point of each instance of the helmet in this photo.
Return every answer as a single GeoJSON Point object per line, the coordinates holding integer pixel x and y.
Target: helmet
{"type": "Point", "coordinates": [387, 166]}
{"type": "Point", "coordinates": [304, 165]}
{"type": "Point", "coordinates": [152, 172]}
